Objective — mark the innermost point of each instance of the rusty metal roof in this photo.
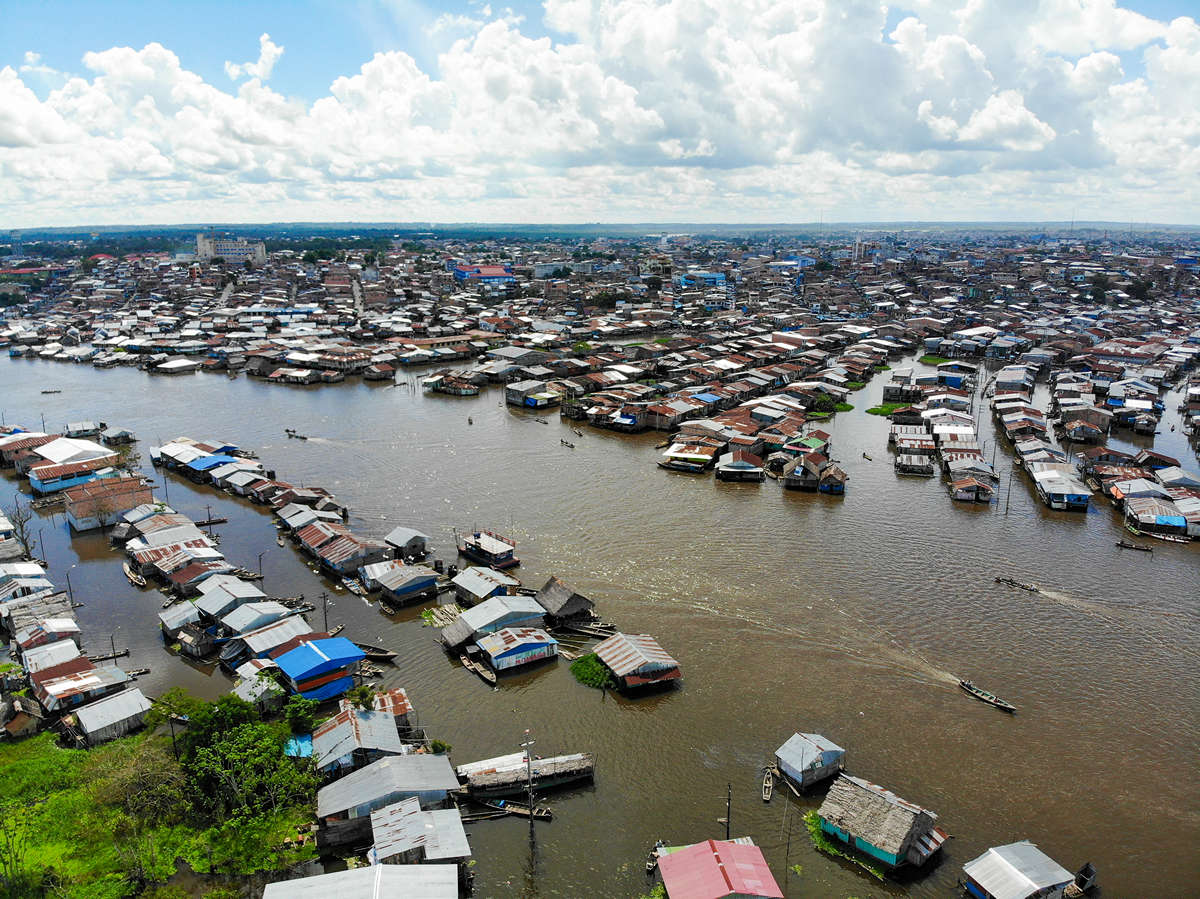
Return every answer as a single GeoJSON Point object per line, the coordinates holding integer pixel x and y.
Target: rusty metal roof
{"type": "Point", "coordinates": [626, 654]}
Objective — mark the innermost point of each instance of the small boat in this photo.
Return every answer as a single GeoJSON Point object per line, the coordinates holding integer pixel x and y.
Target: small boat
{"type": "Point", "coordinates": [353, 586]}
{"type": "Point", "coordinates": [51, 391]}
{"type": "Point", "coordinates": [375, 653]}
{"type": "Point", "coordinates": [279, 539]}
{"type": "Point", "coordinates": [577, 432]}
{"type": "Point", "coordinates": [566, 444]}
{"type": "Point", "coordinates": [985, 696]}
{"type": "Point", "coordinates": [470, 420]}
{"type": "Point", "coordinates": [134, 578]}
{"type": "Point", "coordinates": [386, 609]}
{"type": "Point", "coordinates": [337, 630]}
{"type": "Point", "coordinates": [541, 421]}
{"type": "Point", "coordinates": [1032, 588]}
{"type": "Point", "coordinates": [540, 812]}
{"type": "Point", "coordinates": [1125, 544]}
{"type": "Point", "coordinates": [478, 667]}
{"type": "Point", "coordinates": [867, 456]}
{"type": "Point", "coordinates": [768, 785]}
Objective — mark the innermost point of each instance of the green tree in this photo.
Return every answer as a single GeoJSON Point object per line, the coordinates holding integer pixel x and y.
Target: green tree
{"type": "Point", "coordinates": [362, 697]}
{"type": "Point", "coordinates": [244, 773]}
{"type": "Point", "coordinates": [209, 722]}
{"type": "Point", "coordinates": [825, 403]}
{"type": "Point", "coordinates": [654, 284]}
{"type": "Point", "coordinates": [300, 714]}
{"type": "Point", "coordinates": [1101, 284]}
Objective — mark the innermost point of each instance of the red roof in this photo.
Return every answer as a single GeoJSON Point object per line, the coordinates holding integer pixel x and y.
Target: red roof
{"type": "Point", "coordinates": [716, 869]}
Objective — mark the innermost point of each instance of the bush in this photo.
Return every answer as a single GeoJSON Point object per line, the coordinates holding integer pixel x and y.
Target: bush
{"type": "Point", "coordinates": [591, 672]}
{"type": "Point", "coordinates": [931, 359]}
{"type": "Point", "coordinates": [843, 407]}
{"type": "Point", "coordinates": [886, 408]}
{"type": "Point", "coordinates": [437, 747]}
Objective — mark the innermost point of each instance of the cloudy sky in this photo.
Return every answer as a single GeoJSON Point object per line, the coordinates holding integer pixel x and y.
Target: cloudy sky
{"type": "Point", "coordinates": [599, 111]}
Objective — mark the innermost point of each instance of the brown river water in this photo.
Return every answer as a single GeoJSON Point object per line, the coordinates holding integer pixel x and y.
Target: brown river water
{"type": "Point", "coordinates": [849, 617]}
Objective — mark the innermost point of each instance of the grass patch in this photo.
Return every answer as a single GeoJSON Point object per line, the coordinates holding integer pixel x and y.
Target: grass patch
{"type": "Point", "coordinates": [823, 843]}
{"type": "Point", "coordinates": [663, 340]}
{"type": "Point", "coordinates": [930, 359]}
{"type": "Point", "coordinates": [886, 408]}
{"type": "Point", "coordinates": [843, 407]}
{"type": "Point", "coordinates": [883, 368]}
{"type": "Point", "coordinates": [590, 672]}
{"type": "Point", "coordinates": [855, 385]}
{"type": "Point", "coordinates": [818, 416]}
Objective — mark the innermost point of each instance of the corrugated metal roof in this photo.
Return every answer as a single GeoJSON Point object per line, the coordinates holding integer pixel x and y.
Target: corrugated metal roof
{"type": "Point", "coordinates": [95, 716]}
{"type": "Point", "coordinates": [352, 729]}
{"type": "Point", "coordinates": [403, 826]}
{"type": "Point", "coordinates": [391, 776]}
{"type": "Point", "coordinates": [804, 750]}
{"type": "Point", "coordinates": [1016, 871]}
{"type": "Point", "coordinates": [627, 654]}
{"type": "Point", "coordinates": [375, 882]}
{"type": "Point", "coordinates": [716, 869]}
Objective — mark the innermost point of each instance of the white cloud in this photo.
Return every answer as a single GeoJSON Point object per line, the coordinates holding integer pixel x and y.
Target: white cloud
{"type": "Point", "coordinates": [268, 54]}
{"type": "Point", "coordinates": [638, 110]}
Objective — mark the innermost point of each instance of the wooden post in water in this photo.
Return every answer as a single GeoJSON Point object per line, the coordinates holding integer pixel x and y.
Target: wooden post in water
{"type": "Point", "coordinates": [325, 608]}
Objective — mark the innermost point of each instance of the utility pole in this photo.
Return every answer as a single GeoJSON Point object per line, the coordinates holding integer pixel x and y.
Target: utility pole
{"type": "Point", "coordinates": [208, 513]}
{"type": "Point", "coordinates": [728, 808]}
{"type": "Point", "coordinates": [528, 747]}
{"type": "Point", "coordinates": [325, 608]}
{"type": "Point", "coordinates": [1008, 496]}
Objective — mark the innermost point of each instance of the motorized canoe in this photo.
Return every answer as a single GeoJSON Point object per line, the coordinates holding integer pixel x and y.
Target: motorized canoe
{"type": "Point", "coordinates": [984, 696]}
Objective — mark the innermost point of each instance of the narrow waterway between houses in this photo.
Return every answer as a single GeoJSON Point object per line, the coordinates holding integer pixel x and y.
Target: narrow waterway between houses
{"type": "Point", "coordinates": [850, 617]}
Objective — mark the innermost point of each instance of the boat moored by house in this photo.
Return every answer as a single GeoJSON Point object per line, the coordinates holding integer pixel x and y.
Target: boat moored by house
{"type": "Point", "coordinates": [488, 548]}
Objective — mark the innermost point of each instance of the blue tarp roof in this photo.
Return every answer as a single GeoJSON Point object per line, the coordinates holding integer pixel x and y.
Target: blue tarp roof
{"type": "Point", "coordinates": [706, 397]}
{"type": "Point", "coordinates": [299, 746]}
{"type": "Point", "coordinates": [1177, 521]}
{"type": "Point", "coordinates": [204, 463]}
{"type": "Point", "coordinates": [316, 657]}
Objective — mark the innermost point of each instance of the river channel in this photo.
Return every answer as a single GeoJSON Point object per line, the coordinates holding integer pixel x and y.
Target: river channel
{"type": "Point", "coordinates": [850, 617]}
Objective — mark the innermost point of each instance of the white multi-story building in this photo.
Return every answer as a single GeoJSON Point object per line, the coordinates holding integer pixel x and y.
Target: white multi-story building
{"type": "Point", "coordinates": [232, 250]}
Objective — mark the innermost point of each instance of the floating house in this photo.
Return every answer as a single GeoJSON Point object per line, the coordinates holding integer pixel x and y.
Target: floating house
{"type": "Point", "coordinates": [970, 489]}
{"type": "Point", "coordinates": [344, 807]}
{"type": "Point", "coordinates": [636, 660]}
{"type": "Point", "coordinates": [807, 759]}
{"type": "Point", "coordinates": [562, 603]}
{"type": "Point", "coordinates": [320, 669]}
{"type": "Point", "coordinates": [492, 615]}
{"type": "Point", "coordinates": [507, 775]}
{"type": "Point", "coordinates": [353, 738]}
{"type": "Point", "coordinates": [740, 465]}
{"type": "Point", "coordinates": [472, 585]}
{"type": "Point", "coordinates": [489, 548]}
{"type": "Point", "coordinates": [513, 647]}
{"type": "Point", "coordinates": [401, 584]}
{"type": "Point", "coordinates": [879, 823]}
{"type": "Point", "coordinates": [1015, 871]}
{"type": "Point", "coordinates": [99, 503]}
{"type": "Point", "coordinates": [408, 543]}
{"type": "Point", "coordinates": [406, 834]}
{"type": "Point", "coordinates": [716, 869]}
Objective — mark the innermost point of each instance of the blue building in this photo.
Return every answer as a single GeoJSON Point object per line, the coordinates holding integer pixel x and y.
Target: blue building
{"type": "Point", "coordinates": [320, 669]}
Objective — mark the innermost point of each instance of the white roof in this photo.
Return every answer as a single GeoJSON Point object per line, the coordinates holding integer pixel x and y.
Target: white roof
{"type": "Point", "coordinates": [1016, 871]}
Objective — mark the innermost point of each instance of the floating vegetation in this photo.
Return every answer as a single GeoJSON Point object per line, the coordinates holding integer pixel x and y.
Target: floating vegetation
{"type": "Point", "coordinates": [821, 840]}
{"type": "Point", "coordinates": [590, 672]}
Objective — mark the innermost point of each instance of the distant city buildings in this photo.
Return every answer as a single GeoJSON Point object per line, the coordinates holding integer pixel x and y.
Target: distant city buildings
{"type": "Point", "coordinates": [232, 250]}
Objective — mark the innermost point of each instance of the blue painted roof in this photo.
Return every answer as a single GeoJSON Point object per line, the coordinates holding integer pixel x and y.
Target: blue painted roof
{"type": "Point", "coordinates": [706, 397]}
{"type": "Point", "coordinates": [299, 746]}
{"type": "Point", "coordinates": [329, 690]}
{"type": "Point", "coordinates": [204, 463]}
{"type": "Point", "coordinates": [316, 657]}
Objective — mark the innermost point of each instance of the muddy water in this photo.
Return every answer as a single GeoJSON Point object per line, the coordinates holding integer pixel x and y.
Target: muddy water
{"type": "Point", "coordinates": [849, 617]}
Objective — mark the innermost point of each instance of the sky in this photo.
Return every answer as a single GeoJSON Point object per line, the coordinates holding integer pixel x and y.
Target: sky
{"type": "Point", "coordinates": [572, 111]}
